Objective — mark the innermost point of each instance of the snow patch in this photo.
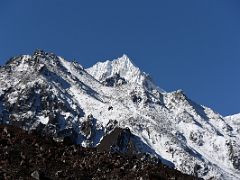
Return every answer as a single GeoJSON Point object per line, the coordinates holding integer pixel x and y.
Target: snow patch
{"type": "Point", "coordinates": [43, 120]}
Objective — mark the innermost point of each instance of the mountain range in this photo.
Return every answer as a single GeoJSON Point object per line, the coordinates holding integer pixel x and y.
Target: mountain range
{"type": "Point", "coordinates": [115, 106]}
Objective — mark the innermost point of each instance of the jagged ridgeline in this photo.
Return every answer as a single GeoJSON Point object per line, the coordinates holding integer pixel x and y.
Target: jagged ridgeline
{"type": "Point", "coordinates": [114, 106]}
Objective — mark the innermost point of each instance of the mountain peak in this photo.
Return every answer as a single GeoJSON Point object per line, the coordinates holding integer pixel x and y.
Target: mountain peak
{"type": "Point", "coordinates": [122, 66]}
{"type": "Point", "coordinates": [44, 54]}
{"type": "Point", "coordinates": [125, 63]}
{"type": "Point", "coordinates": [125, 59]}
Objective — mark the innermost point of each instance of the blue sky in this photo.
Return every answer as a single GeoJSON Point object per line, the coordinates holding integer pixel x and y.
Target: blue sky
{"type": "Point", "coordinates": [188, 44]}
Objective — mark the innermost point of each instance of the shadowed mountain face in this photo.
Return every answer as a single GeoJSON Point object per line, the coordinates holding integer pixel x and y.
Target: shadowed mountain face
{"type": "Point", "coordinates": [30, 156]}
{"type": "Point", "coordinates": [115, 107]}
{"type": "Point", "coordinates": [119, 140]}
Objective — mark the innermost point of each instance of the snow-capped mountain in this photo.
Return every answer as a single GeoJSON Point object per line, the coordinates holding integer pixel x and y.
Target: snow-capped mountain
{"type": "Point", "coordinates": [123, 69]}
{"type": "Point", "coordinates": [46, 93]}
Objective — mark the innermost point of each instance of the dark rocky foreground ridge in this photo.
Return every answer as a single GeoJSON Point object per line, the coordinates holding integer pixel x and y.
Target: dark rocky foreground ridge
{"type": "Point", "coordinates": [31, 156]}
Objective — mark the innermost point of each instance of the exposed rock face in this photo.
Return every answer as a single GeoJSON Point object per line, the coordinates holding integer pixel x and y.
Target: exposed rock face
{"type": "Point", "coordinates": [30, 156]}
{"type": "Point", "coordinates": [114, 81]}
{"type": "Point", "coordinates": [119, 140]}
{"type": "Point", "coordinates": [234, 153]}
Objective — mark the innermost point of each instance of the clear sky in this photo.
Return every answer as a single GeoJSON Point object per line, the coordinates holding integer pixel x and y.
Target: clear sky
{"type": "Point", "coordinates": [192, 45]}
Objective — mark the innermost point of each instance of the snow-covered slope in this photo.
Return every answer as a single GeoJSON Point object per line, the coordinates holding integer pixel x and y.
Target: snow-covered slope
{"type": "Point", "coordinates": [61, 98]}
{"type": "Point", "coordinates": [234, 121]}
{"type": "Point", "coordinates": [235, 117]}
